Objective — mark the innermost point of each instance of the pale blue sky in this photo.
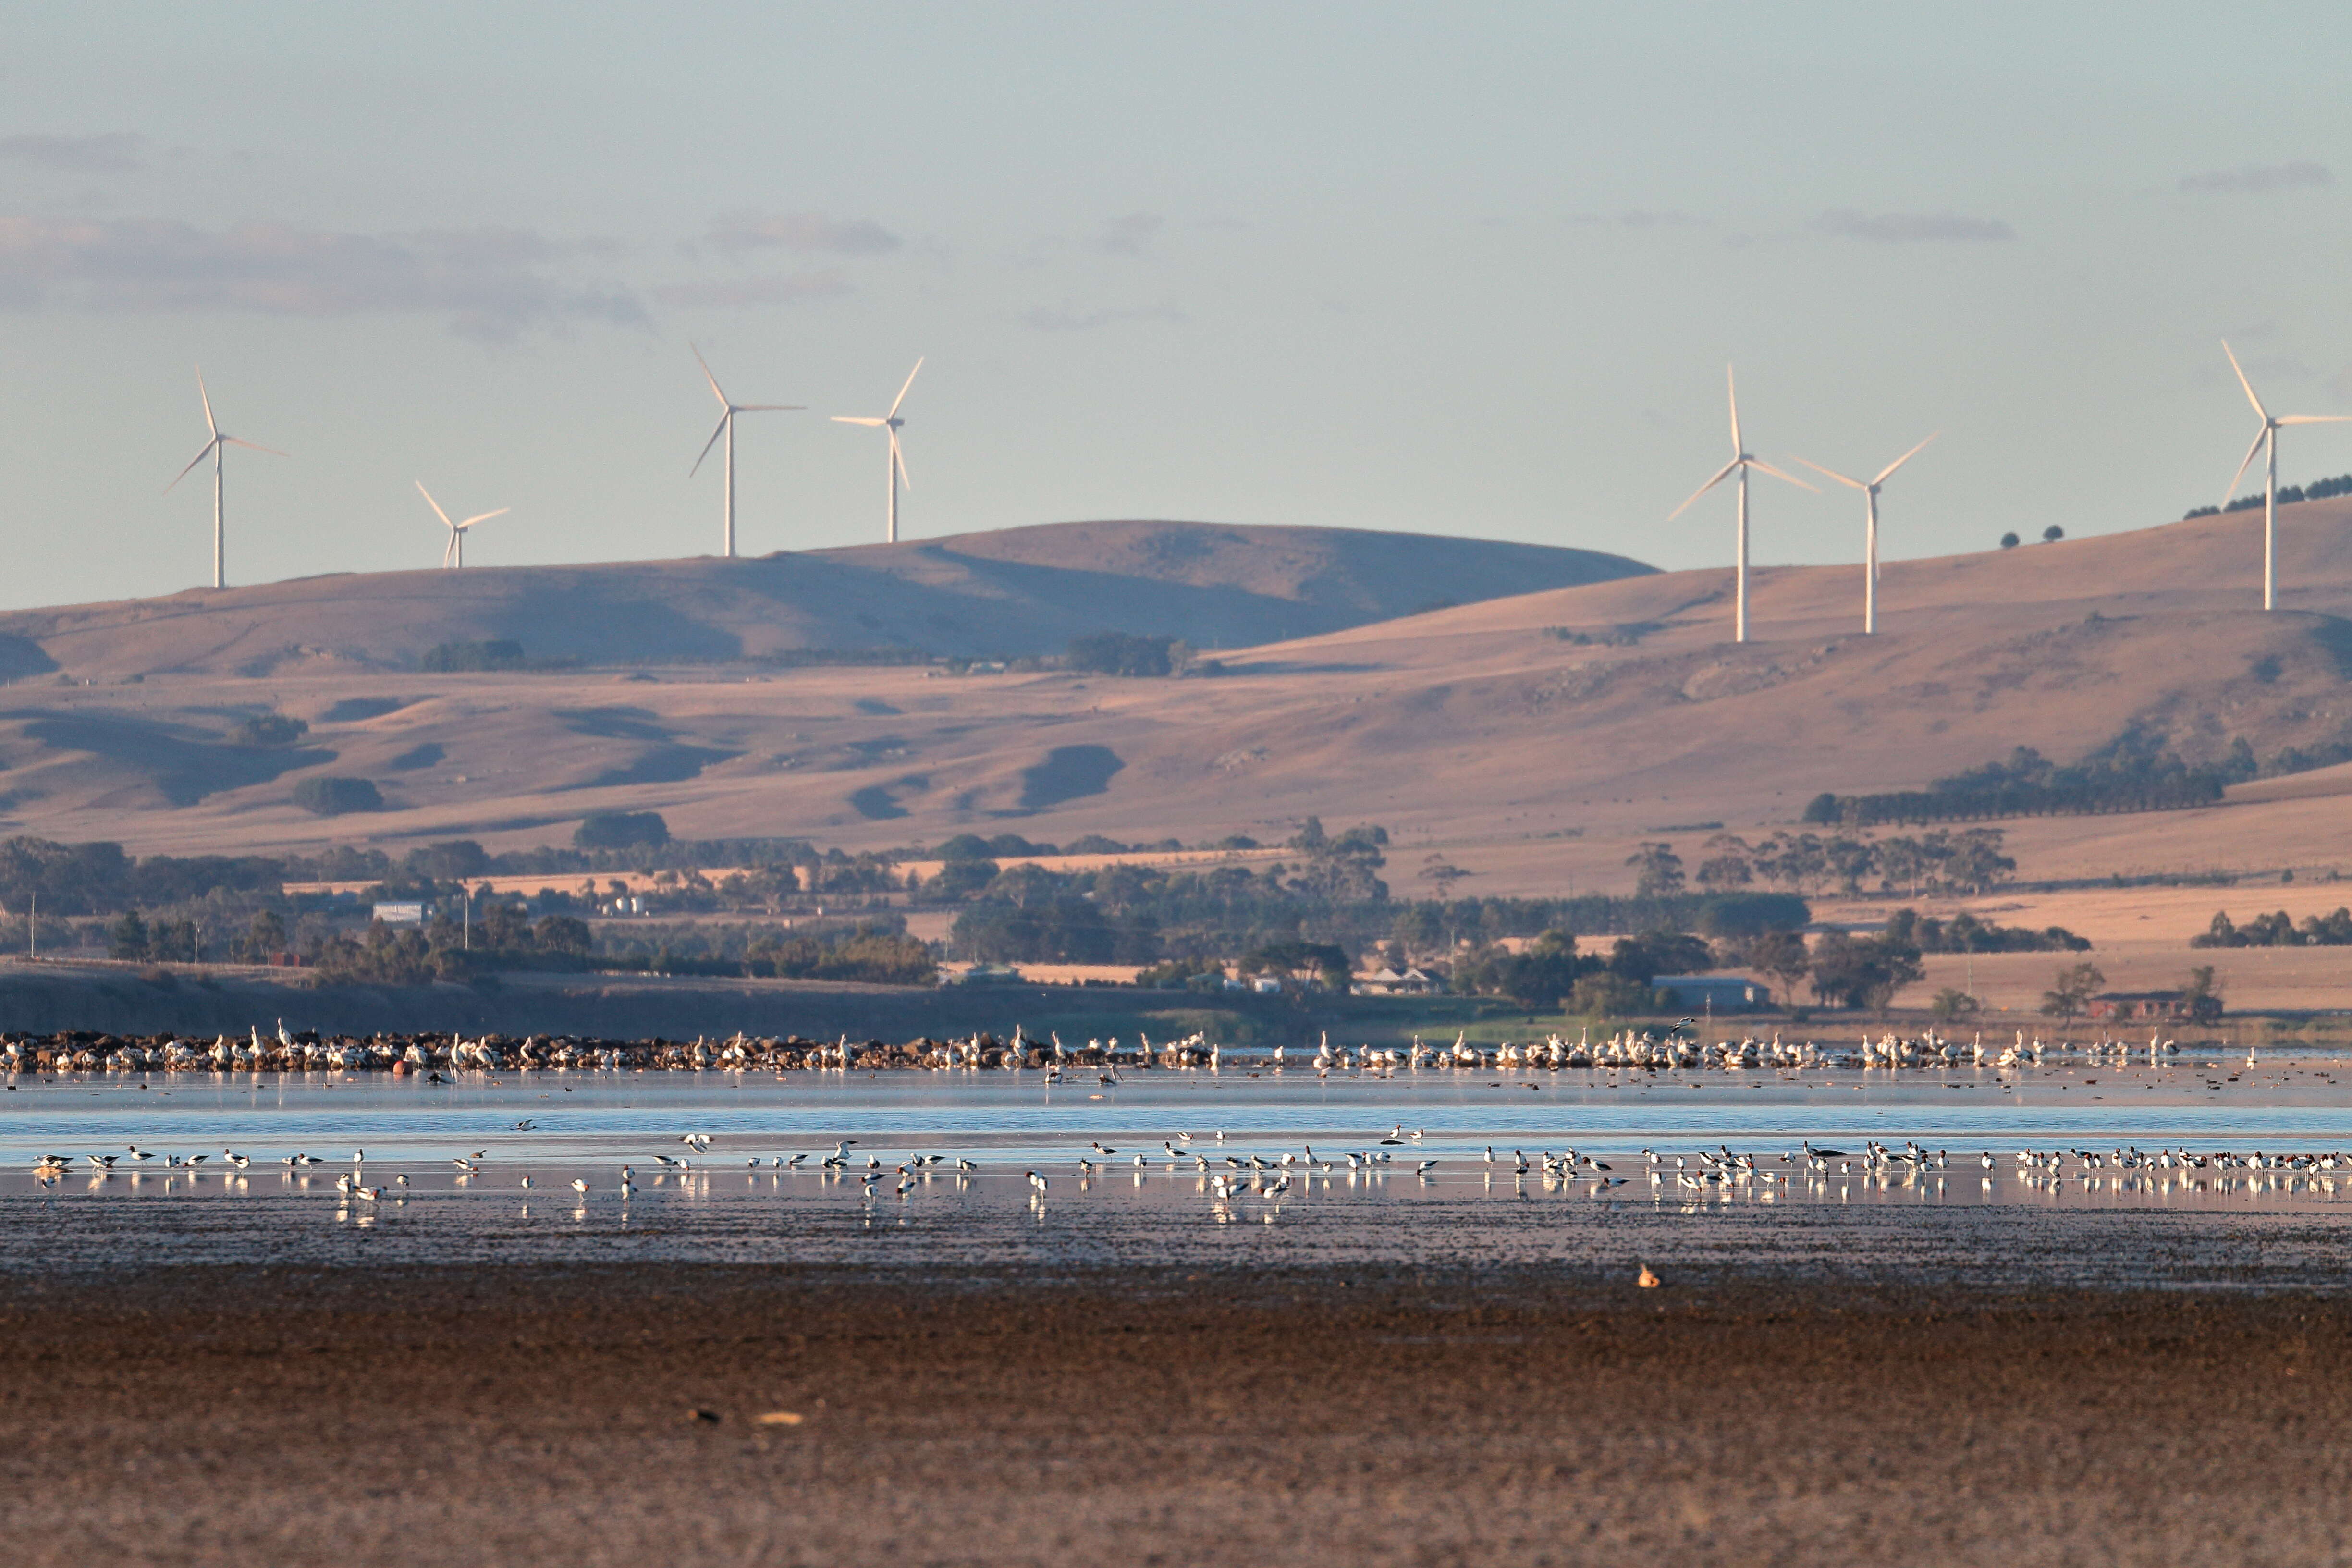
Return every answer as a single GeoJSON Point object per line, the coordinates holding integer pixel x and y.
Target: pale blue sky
{"type": "Point", "coordinates": [1463, 269]}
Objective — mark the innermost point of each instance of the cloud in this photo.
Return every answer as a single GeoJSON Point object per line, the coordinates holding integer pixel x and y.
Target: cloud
{"type": "Point", "coordinates": [1129, 236]}
{"type": "Point", "coordinates": [107, 152]}
{"type": "Point", "coordinates": [1637, 218]}
{"type": "Point", "coordinates": [769, 289]}
{"type": "Point", "coordinates": [801, 231]}
{"type": "Point", "coordinates": [490, 284]}
{"type": "Point", "coordinates": [1054, 319]}
{"type": "Point", "coordinates": [1905, 229]}
{"type": "Point", "coordinates": [2260, 179]}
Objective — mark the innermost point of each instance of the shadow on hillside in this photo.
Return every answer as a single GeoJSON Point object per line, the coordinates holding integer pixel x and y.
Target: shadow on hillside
{"type": "Point", "coordinates": [185, 765]}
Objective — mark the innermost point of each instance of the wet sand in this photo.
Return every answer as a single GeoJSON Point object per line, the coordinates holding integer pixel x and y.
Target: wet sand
{"type": "Point", "coordinates": [1377, 1411]}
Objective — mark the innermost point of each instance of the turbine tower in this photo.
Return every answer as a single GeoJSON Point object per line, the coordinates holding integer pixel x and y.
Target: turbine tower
{"type": "Point", "coordinates": [896, 471]}
{"type": "Point", "coordinates": [727, 428]}
{"type": "Point", "coordinates": [212, 449]}
{"type": "Point", "coordinates": [2267, 437]}
{"type": "Point", "coordinates": [1869, 489]}
{"type": "Point", "coordinates": [453, 552]}
{"type": "Point", "coordinates": [1741, 461]}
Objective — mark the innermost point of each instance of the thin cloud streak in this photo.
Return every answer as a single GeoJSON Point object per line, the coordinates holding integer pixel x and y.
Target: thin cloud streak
{"type": "Point", "coordinates": [800, 231]}
{"type": "Point", "coordinates": [2260, 179]}
{"type": "Point", "coordinates": [1912, 228]}
{"type": "Point", "coordinates": [1054, 319]}
{"type": "Point", "coordinates": [490, 284]}
{"type": "Point", "coordinates": [730, 293]}
{"type": "Point", "coordinates": [106, 153]}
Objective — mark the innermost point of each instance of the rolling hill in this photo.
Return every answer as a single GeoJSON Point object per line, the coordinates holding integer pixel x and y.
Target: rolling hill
{"type": "Point", "coordinates": [1531, 738]}
{"type": "Point", "coordinates": [1017, 592]}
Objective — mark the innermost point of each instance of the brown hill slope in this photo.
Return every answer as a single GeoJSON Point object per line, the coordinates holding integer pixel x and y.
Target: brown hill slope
{"type": "Point", "coordinates": [1482, 729]}
{"type": "Point", "coordinates": [1018, 591]}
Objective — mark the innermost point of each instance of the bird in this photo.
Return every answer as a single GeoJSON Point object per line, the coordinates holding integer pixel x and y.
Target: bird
{"type": "Point", "coordinates": [526, 1181]}
{"type": "Point", "coordinates": [1036, 1181]}
{"type": "Point", "coordinates": [580, 1185]}
{"type": "Point", "coordinates": [1425, 1167]}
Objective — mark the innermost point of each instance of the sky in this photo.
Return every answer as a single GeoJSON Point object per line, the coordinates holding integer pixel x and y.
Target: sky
{"type": "Point", "coordinates": [1471, 270]}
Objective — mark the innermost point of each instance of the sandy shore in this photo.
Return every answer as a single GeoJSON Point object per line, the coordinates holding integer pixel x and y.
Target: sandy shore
{"type": "Point", "coordinates": [1381, 1414]}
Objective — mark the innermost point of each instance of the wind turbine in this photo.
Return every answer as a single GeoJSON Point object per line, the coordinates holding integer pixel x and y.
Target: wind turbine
{"type": "Point", "coordinates": [453, 552]}
{"type": "Point", "coordinates": [1741, 461]}
{"type": "Point", "coordinates": [2268, 437]}
{"type": "Point", "coordinates": [212, 449]}
{"type": "Point", "coordinates": [727, 428]}
{"type": "Point", "coordinates": [896, 470]}
{"type": "Point", "coordinates": [1869, 528]}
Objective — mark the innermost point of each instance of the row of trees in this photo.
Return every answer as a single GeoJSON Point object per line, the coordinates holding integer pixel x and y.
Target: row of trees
{"type": "Point", "coordinates": [2318, 490]}
{"type": "Point", "coordinates": [2278, 929]}
{"type": "Point", "coordinates": [2126, 776]}
{"type": "Point", "coordinates": [1966, 862]}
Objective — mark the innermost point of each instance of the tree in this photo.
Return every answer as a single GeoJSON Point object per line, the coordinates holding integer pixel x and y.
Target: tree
{"type": "Point", "coordinates": [1724, 873]}
{"type": "Point", "coordinates": [1118, 653]}
{"type": "Point", "coordinates": [2009, 541]}
{"type": "Point", "coordinates": [271, 730]}
{"type": "Point", "coordinates": [1657, 871]}
{"type": "Point", "coordinates": [1437, 868]}
{"type": "Point", "coordinates": [2069, 994]}
{"type": "Point", "coordinates": [1653, 953]}
{"type": "Point", "coordinates": [2052, 535]}
{"type": "Point", "coordinates": [1781, 954]}
{"type": "Point", "coordinates": [329, 796]}
{"type": "Point", "coordinates": [2202, 994]}
{"type": "Point", "coordinates": [127, 937]}
{"type": "Point", "coordinates": [1607, 996]}
{"type": "Point", "coordinates": [621, 830]}
{"type": "Point", "coordinates": [1864, 973]}
{"type": "Point", "coordinates": [1952, 1004]}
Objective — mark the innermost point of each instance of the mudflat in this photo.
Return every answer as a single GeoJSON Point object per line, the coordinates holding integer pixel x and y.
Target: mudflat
{"type": "Point", "coordinates": [593, 1414]}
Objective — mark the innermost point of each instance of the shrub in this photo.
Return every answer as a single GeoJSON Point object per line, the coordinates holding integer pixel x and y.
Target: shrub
{"type": "Point", "coordinates": [271, 730]}
{"type": "Point", "coordinates": [620, 831]}
{"type": "Point", "coordinates": [500, 652]}
{"type": "Point", "coordinates": [1118, 653]}
{"type": "Point", "coordinates": [331, 796]}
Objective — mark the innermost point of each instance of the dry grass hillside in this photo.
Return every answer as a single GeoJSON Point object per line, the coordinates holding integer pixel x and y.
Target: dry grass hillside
{"type": "Point", "coordinates": [1531, 759]}
{"type": "Point", "coordinates": [1021, 590]}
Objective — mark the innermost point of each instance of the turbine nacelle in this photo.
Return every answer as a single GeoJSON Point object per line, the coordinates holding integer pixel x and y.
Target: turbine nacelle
{"type": "Point", "coordinates": [453, 552]}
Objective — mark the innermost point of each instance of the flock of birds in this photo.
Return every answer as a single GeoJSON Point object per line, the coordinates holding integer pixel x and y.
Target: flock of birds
{"type": "Point", "coordinates": [1226, 1172]}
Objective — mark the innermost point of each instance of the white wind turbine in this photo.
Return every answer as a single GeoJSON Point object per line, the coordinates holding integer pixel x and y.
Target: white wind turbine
{"type": "Point", "coordinates": [213, 449]}
{"type": "Point", "coordinates": [2268, 437]}
{"type": "Point", "coordinates": [1741, 461]}
{"type": "Point", "coordinates": [453, 552]}
{"type": "Point", "coordinates": [727, 428]}
{"type": "Point", "coordinates": [896, 472]}
{"type": "Point", "coordinates": [1869, 488]}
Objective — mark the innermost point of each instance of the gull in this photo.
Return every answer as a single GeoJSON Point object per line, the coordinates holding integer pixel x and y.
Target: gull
{"type": "Point", "coordinates": [795, 1162]}
{"type": "Point", "coordinates": [966, 1165]}
{"type": "Point", "coordinates": [359, 1156]}
{"type": "Point", "coordinates": [372, 1194]}
{"type": "Point", "coordinates": [1036, 1181]}
{"type": "Point", "coordinates": [666, 1159]}
{"type": "Point", "coordinates": [401, 1180]}
{"type": "Point", "coordinates": [1098, 1149]}
{"type": "Point", "coordinates": [139, 1153]}
{"type": "Point", "coordinates": [1425, 1167]}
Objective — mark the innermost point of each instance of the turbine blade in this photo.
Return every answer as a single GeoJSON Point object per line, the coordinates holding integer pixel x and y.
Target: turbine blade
{"type": "Point", "coordinates": [902, 391]}
{"type": "Point", "coordinates": [715, 433]}
{"type": "Point", "coordinates": [199, 457]}
{"type": "Point", "coordinates": [2314, 418]}
{"type": "Point", "coordinates": [449, 547]}
{"type": "Point", "coordinates": [486, 516]}
{"type": "Point", "coordinates": [1762, 467]}
{"type": "Point", "coordinates": [207, 397]}
{"type": "Point", "coordinates": [2260, 436]}
{"type": "Point", "coordinates": [434, 504]}
{"type": "Point", "coordinates": [898, 456]}
{"type": "Point", "coordinates": [1732, 388]}
{"type": "Point", "coordinates": [1835, 475]}
{"type": "Point", "coordinates": [2244, 383]}
{"type": "Point", "coordinates": [1886, 471]}
{"type": "Point", "coordinates": [708, 377]}
{"type": "Point", "coordinates": [254, 445]}
{"type": "Point", "coordinates": [770, 407]}
{"type": "Point", "coordinates": [856, 419]}
{"type": "Point", "coordinates": [1721, 474]}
